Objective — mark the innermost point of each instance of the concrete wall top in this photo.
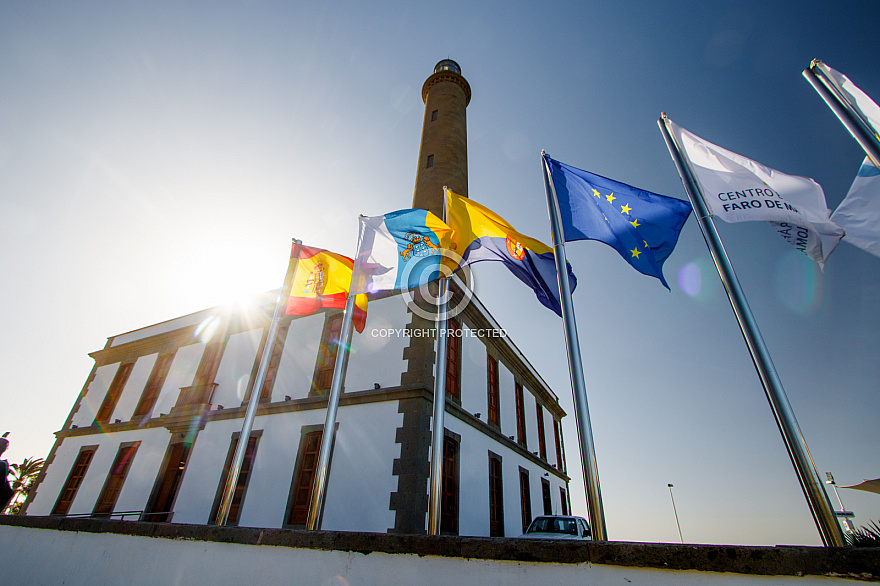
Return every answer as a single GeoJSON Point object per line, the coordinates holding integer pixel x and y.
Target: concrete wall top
{"type": "Point", "coordinates": [855, 563]}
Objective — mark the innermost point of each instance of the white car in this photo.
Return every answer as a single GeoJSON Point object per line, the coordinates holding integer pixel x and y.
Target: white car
{"type": "Point", "coordinates": [558, 527]}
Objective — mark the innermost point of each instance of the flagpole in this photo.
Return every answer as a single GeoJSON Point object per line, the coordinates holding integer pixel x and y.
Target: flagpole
{"type": "Point", "coordinates": [575, 367]}
{"type": "Point", "coordinates": [438, 429]}
{"type": "Point", "coordinates": [820, 506]}
{"type": "Point", "coordinates": [328, 437]}
{"type": "Point", "coordinates": [254, 400]}
{"type": "Point", "coordinates": [853, 122]}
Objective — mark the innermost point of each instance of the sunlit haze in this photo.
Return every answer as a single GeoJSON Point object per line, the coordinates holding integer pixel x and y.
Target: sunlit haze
{"type": "Point", "coordinates": [157, 158]}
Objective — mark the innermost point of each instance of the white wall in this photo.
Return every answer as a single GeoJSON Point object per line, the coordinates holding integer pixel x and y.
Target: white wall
{"type": "Point", "coordinates": [95, 394]}
{"type": "Point", "coordinates": [134, 388]}
{"type": "Point", "coordinates": [376, 357]}
{"type": "Point", "coordinates": [361, 482]}
{"type": "Point", "coordinates": [236, 365]}
{"type": "Point", "coordinates": [202, 474]}
{"type": "Point", "coordinates": [181, 374]}
{"type": "Point", "coordinates": [474, 482]}
{"type": "Point", "coordinates": [297, 367]}
{"type": "Point", "coordinates": [269, 487]}
{"type": "Point", "coordinates": [99, 559]}
{"type": "Point", "coordinates": [164, 327]}
{"type": "Point", "coordinates": [138, 484]}
{"type": "Point", "coordinates": [359, 487]}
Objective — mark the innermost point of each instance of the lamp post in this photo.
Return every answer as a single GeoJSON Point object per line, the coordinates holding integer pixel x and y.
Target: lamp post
{"type": "Point", "coordinates": [842, 514]}
{"type": "Point", "coordinates": [680, 538]}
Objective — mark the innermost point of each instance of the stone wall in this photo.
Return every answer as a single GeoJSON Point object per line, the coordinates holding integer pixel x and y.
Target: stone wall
{"type": "Point", "coordinates": [54, 550]}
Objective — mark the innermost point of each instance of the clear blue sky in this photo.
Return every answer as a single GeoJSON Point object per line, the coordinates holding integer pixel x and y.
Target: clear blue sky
{"type": "Point", "coordinates": [156, 160]}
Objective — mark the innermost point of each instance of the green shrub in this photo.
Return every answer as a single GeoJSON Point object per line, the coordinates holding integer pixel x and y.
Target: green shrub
{"type": "Point", "coordinates": [865, 536]}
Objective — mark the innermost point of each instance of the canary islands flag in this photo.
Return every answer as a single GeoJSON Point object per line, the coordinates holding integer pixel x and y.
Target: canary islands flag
{"type": "Point", "coordinates": [321, 281]}
{"type": "Point", "coordinates": [481, 234]}
{"type": "Point", "coordinates": [642, 226]}
{"type": "Point", "coordinates": [400, 250]}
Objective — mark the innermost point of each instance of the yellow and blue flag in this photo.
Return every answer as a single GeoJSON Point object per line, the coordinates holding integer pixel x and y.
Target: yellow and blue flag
{"type": "Point", "coordinates": [399, 250]}
{"type": "Point", "coordinates": [481, 234]}
{"type": "Point", "coordinates": [642, 226]}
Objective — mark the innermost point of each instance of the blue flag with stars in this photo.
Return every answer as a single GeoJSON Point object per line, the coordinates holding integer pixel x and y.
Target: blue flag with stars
{"type": "Point", "coordinates": [642, 226]}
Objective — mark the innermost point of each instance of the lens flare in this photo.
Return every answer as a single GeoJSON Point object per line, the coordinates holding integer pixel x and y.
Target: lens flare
{"type": "Point", "coordinates": [796, 284]}
{"type": "Point", "coordinates": [690, 279]}
{"type": "Point", "coordinates": [206, 330]}
{"type": "Point", "coordinates": [698, 279]}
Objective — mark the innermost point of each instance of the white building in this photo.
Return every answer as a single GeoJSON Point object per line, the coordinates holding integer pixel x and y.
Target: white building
{"type": "Point", "coordinates": [152, 434]}
{"type": "Point", "coordinates": [155, 426]}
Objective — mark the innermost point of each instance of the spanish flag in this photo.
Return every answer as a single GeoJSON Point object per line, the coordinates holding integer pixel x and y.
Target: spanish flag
{"type": "Point", "coordinates": [481, 234]}
{"type": "Point", "coordinates": [321, 281]}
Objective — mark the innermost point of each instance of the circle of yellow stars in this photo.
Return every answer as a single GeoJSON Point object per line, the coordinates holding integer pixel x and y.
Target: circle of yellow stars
{"type": "Point", "coordinates": [624, 209]}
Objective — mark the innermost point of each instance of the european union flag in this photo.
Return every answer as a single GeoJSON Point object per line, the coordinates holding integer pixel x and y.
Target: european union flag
{"type": "Point", "coordinates": [642, 226]}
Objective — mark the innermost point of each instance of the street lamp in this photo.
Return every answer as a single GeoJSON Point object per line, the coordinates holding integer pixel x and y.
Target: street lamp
{"type": "Point", "coordinates": [676, 514]}
{"type": "Point", "coordinates": [842, 514]}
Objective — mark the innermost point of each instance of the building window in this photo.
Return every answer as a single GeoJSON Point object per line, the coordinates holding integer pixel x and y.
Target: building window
{"type": "Point", "coordinates": [154, 385]}
{"type": "Point", "coordinates": [492, 390]}
{"type": "Point", "coordinates": [113, 393]}
{"type": "Point", "coordinates": [209, 364]}
{"type": "Point", "coordinates": [545, 493]}
{"type": "Point", "coordinates": [453, 359]}
{"type": "Point", "coordinates": [563, 500]}
{"type": "Point", "coordinates": [496, 497]}
{"type": "Point", "coordinates": [307, 465]}
{"type": "Point", "coordinates": [449, 488]}
{"type": "Point", "coordinates": [165, 491]}
{"type": "Point", "coordinates": [520, 416]}
{"type": "Point", "coordinates": [74, 479]}
{"type": "Point", "coordinates": [115, 480]}
{"type": "Point", "coordinates": [542, 444]}
{"type": "Point", "coordinates": [430, 162]}
{"type": "Point", "coordinates": [558, 444]}
{"type": "Point", "coordinates": [202, 389]}
{"type": "Point", "coordinates": [274, 361]}
{"type": "Point", "coordinates": [327, 354]}
{"type": "Point", "coordinates": [562, 446]}
{"type": "Point", "coordinates": [434, 116]}
{"type": "Point", "coordinates": [525, 498]}
{"type": "Point", "coordinates": [243, 478]}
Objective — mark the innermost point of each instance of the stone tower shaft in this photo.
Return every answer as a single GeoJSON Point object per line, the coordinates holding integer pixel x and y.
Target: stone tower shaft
{"type": "Point", "coordinates": [443, 150]}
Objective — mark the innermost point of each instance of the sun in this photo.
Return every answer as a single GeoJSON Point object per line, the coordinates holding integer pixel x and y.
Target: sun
{"type": "Point", "coordinates": [223, 271]}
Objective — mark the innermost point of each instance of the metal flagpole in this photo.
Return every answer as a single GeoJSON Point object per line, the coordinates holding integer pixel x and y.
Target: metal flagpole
{"type": "Point", "coordinates": [820, 506]}
{"type": "Point", "coordinates": [859, 128]}
{"type": "Point", "coordinates": [575, 366]}
{"type": "Point", "coordinates": [254, 400]}
{"type": "Point", "coordinates": [328, 437]}
{"type": "Point", "coordinates": [438, 426]}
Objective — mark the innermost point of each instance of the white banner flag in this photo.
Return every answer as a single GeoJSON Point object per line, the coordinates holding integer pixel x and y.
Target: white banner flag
{"type": "Point", "coordinates": [858, 100]}
{"type": "Point", "coordinates": [738, 189]}
{"type": "Point", "coordinates": [859, 212]}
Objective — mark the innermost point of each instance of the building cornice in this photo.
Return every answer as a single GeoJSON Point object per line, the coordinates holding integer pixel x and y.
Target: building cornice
{"type": "Point", "coordinates": [178, 423]}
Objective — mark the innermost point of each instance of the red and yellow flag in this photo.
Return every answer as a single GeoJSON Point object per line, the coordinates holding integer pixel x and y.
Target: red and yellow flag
{"type": "Point", "coordinates": [321, 281]}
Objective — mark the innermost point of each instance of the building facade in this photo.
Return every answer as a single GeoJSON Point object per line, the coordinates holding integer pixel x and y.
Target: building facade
{"type": "Point", "coordinates": [152, 434]}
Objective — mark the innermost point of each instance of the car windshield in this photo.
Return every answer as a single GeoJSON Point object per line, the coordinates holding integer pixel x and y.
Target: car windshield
{"type": "Point", "coordinates": [551, 525]}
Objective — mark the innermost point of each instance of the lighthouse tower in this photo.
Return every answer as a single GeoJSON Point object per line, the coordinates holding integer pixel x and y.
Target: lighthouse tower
{"type": "Point", "coordinates": [443, 150]}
